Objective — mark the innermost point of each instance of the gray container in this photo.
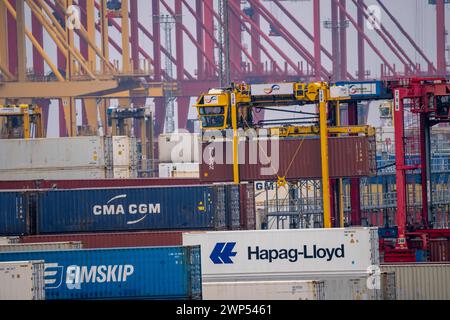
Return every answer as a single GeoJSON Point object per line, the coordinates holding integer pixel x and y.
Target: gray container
{"type": "Point", "coordinates": [421, 281]}
{"type": "Point", "coordinates": [22, 280]}
{"type": "Point", "coordinates": [44, 246]}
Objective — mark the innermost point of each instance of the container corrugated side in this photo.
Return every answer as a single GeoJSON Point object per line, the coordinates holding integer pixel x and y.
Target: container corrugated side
{"type": "Point", "coordinates": [120, 273]}
{"type": "Point", "coordinates": [264, 290]}
{"type": "Point", "coordinates": [22, 280]}
{"type": "Point", "coordinates": [43, 246]}
{"type": "Point", "coordinates": [421, 281]}
{"type": "Point", "coordinates": [290, 158]}
{"type": "Point", "coordinates": [113, 239]}
{"type": "Point", "coordinates": [95, 183]}
{"type": "Point", "coordinates": [14, 214]}
{"type": "Point", "coordinates": [158, 208]}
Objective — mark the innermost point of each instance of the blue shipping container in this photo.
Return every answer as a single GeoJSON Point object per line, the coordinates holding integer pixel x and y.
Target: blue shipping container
{"type": "Point", "coordinates": [14, 214]}
{"type": "Point", "coordinates": [122, 273]}
{"type": "Point", "coordinates": [156, 208]}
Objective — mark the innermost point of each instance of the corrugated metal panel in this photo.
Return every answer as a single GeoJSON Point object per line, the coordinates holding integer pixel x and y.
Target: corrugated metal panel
{"type": "Point", "coordinates": [421, 281]}
{"type": "Point", "coordinates": [60, 173]}
{"type": "Point", "coordinates": [126, 209]}
{"type": "Point", "coordinates": [116, 239]}
{"type": "Point", "coordinates": [264, 290]}
{"type": "Point", "coordinates": [233, 207]}
{"type": "Point", "coordinates": [100, 183]}
{"type": "Point", "coordinates": [14, 213]}
{"type": "Point", "coordinates": [294, 158]}
{"type": "Point", "coordinates": [21, 154]}
{"type": "Point", "coordinates": [22, 280]}
{"type": "Point", "coordinates": [149, 273]}
{"type": "Point", "coordinates": [439, 250]}
{"type": "Point", "coordinates": [248, 211]}
{"type": "Point", "coordinates": [44, 246]}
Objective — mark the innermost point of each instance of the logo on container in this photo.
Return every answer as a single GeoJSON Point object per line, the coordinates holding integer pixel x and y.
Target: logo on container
{"type": "Point", "coordinates": [140, 210]}
{"type": "Point", "coordinates": [76, 275]}
{"type": "Point", "coordinates": [272, 89]}
{"type": "Point", "coordinates": [212, 99]}
{"type": "Point", "coordinates": [222, 253]}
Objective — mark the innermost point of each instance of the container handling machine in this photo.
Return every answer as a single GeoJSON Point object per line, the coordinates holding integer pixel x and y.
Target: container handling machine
{"type": "Point", "coordinates": [419, 104]}
{"type": "Point", "coordinates": [20, 121]}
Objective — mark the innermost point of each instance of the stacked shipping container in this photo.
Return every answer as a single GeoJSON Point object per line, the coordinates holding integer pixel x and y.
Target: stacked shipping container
{"type": "Point", "coordinates": [206, 207]}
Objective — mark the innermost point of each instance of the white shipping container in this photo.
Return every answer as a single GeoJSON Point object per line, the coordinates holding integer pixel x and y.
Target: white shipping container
{"type": "Point", "coordinates": [44, 246]}
{"type": "Point", "coordinates": [264, 290]}
{"type": "Point", "coordinates": [245, 255]}
{"type": "Point", "coordinates": [179, 170]}
{"type": "Point", "coordinates": [55, 174]}
{"type": "Point", "coordinates": [52, 153]}
{"type": "Point", "coordinates": [421, 281]}
{"type": "Point", "coordinates": [22, 280]}
{"type": "Point", "coordinates": [8, 240]}
{"type": "Point", "coordinates": [330, 287]}
{"type": "Point", "coordinates": [179, 147]}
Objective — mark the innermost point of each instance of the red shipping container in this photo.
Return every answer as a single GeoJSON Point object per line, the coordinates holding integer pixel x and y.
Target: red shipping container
{"type": "Point", "coordinates": [95, 183]}
{"type": "Point", "coordinates": [439, 250]}
{"type": "Point", "coordinates": [298, 158]}
{"type": "Point", "coordinates": [113, 240]}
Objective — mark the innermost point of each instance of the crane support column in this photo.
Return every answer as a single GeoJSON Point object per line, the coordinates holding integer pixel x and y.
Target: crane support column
{"type": "Point", "coordinates": [235, 139]}
{"type": "Point", "coordinates": [324, 154]}
{"type": "Point", "coordinates": [400, 168]}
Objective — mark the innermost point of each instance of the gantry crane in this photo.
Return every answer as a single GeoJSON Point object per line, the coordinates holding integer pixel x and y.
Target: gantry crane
{"type": "Point", "coordinates": [232, 108]}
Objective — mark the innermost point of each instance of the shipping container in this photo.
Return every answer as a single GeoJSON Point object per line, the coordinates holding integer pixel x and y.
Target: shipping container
{"type": "Point", "coordinates": [290, 158]}
{"type": "Point", "coordinates": [159, 208]}
{"type": "Point", "coordinates": [9, 240]}
{"type": "Point", "coordinates": [121, 273]}
{"type": "Point", "coordinates": [247, 255]}
{"type": "Point", "coordinates": [15, 214]}
{"type": "Point", "coordinates": [101, 210]}
{"type": "Point", "coordinates": [179, 170]}
{"type": "Point", "coordinates": [96, 183]}
{"type": "Point", "coordinates": [114, 239]}
{"type": "Point", "coordinates": [420, 281]}
{"type": "Point", "coordinates": [179, 147]}
{"type": "Point", "coordinates": [67, 158]}
{"type": "Point", "coordinates": [248, 207]}
{"type": "Point", "coordinates": [439, 250]}
{"type": "Point", "coordinates": [42, 246]}
{"type": "Point", "coordinates": [327, 287]}
{"type": "Point", "coordinates": [22, 280]}
{"type": "Point", "coordinates": [264, 290]}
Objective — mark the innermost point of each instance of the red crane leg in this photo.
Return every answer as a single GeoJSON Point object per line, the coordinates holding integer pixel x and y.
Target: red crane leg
{"type": "Point", "coordinates": [361, 49]}
{"type": "Point", "coordinates": [183, 111]}
{"type": "Point", "coordinates": [317, 42]}
{"type": "Point", "coordinates": [160, 114]}
{"type": "Point", "coordinates": [209, 41]}
{"type": "Point", "coordinates": [343, 40]}
{"type": "Point", "coordinates": [179, 40]}
{"type": "Point", "coordinates": [440, 37]}
{"type": "Point", "coordinates": [235, 29]}
{"type": "Point", "coordinates": [256, 43]}
{"type": "Point", "coordinates": [156, 42]}
{"type": "Point", "coordinates": [200, 39]}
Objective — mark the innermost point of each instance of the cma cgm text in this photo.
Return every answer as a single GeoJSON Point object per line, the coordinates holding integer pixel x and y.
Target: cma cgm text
{"type": "Point", "coordinates": [107, 209]}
